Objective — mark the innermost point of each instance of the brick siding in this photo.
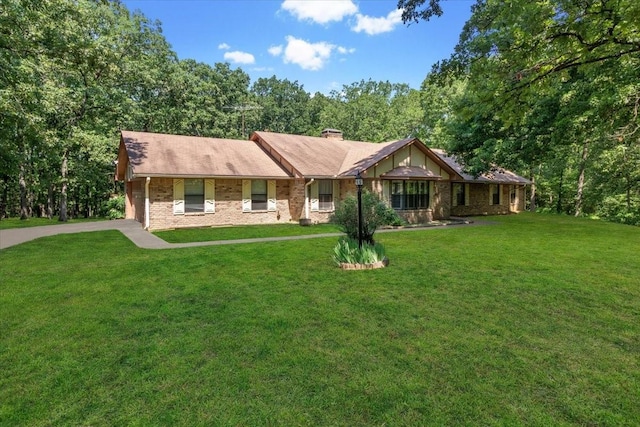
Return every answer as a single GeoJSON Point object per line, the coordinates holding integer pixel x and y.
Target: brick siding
{"type": "Point", "coordinates": [228, 207]}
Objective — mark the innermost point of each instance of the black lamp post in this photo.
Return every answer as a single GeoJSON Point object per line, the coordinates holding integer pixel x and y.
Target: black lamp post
{"type": "Point", "coordinates": [359, 185]}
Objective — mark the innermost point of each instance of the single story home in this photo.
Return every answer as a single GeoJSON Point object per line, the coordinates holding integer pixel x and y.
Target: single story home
{"type": "Point", "coordinates": [176, 181]}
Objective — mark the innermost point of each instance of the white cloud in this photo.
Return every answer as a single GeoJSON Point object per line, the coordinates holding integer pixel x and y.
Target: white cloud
{"type": "Point", "coordinates": [373, 26]}
{"type": "Point", "coordinates": [344, 50]}
{"type": "Point", "coordinates": [224, 46]}
{"type": "Point", "coordinates": [321, 12]}
{"type": "Point", "coordinates": [309, 56]}
{"type": "Point", "coordinates": [275, 50]}
{"type": "Point", "coordinates": [262, 69]}
{"type": "Point", "coordinates": [239, 57]}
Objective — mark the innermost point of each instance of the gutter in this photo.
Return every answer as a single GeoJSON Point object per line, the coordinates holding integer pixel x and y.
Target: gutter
{"type": "Point", "coordinates": [146, 203]}
{"type": "Point", "coordinates": [306, 198]}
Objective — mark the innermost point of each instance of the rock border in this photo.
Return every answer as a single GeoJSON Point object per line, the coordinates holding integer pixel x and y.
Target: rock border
{"type": "Point", "coordinates": [372, 266]}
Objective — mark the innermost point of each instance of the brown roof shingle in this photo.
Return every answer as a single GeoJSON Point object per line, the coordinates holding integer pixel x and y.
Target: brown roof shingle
{"type": "Point", "coordinates": [154, 154]}
{"type": "Point", "coordinates": [499, 175]}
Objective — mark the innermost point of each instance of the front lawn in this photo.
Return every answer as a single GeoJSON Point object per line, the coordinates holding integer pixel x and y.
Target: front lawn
{"type": "Point", "coordinates": [210, 234]}
{"type": "Point", "coordinates": [8, 223]}
{"type": "Point", "coordinates": [532, 321]}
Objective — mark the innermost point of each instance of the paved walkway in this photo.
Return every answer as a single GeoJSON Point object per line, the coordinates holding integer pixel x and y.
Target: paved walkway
{"type": "Point", "coordinates": [143, 239]}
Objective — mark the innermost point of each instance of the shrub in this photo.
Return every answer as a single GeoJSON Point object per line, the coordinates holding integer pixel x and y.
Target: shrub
{"type": "Point", "coordinates": [113, 208]}
{"type": "Point", "coordinates": [615, 209]}
{"type": "Point", "coordinates": [375, 213]}
{"type": "Point", "coordinates": [347, 251]}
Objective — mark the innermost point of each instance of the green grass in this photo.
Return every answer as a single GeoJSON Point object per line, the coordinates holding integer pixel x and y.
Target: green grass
{"type": "Point", "coordinates": [210, 234]}
{"type": "Point", "coordinates": [532, 321]}
{"type": "Point", "coordinates": [8, 223]}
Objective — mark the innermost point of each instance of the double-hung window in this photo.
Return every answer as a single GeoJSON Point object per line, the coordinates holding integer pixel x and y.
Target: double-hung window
{"type": "Point", "coordinates": [409, 195]}
{"type": "Point", "coordinates": [460, 194]}
{"type": "Point", "coordinates": [325, 195]}
{"type": "Point", "coordinates": [494, 194]}
{"type": "Point", "coordinates": [193, 195]}
{"type": "Point", "coordinates": [258, 195]}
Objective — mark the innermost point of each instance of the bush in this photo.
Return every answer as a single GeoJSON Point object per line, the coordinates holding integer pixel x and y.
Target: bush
{"type": "Point", "coordinates": [375, 213]}
{"type": "Point", "coordinates": [615, 209]}
{"type": "Point", "coordinates": [113, 208]}
{"type": "Point", "coordinates": [347, 251]}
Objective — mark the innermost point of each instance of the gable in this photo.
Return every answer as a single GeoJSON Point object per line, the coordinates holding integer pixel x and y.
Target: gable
{"type": "Point", "coordinates": [410, 154]}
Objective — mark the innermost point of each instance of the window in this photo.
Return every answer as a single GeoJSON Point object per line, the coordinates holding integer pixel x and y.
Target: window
{"type": "Point", "coordinates": [459, 194]}
{"type": "Point", "coordinates": [325, 195]}
{"type": "Point", "coordinates": [494, 192]}
{"type": "Point", "coordinates": [258, 195]}
{"type": "Point", "coordinates": [513, 195]}
{"type": "Point", "coordinates": [193, 195]}
{"type": "Point", "coordinates": [409, 194]}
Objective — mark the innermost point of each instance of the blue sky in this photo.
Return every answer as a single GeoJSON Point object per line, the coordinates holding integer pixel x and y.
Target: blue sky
{"type": "Point", "coordinates": [321, 44]}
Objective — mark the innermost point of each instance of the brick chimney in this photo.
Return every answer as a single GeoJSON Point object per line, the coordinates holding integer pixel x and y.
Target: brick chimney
{"type": "Point", "coordinates": [332, 134]}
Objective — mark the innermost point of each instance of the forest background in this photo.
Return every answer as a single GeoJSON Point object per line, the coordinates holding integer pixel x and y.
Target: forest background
{"type": "Point", "coordinates": [549, 89]}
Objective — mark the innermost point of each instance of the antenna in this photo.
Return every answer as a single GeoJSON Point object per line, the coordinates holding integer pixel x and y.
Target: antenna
{"type": "Point", "coordinates": [243, 108]}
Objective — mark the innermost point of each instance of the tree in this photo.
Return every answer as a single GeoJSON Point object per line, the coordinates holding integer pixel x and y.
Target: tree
{"type": "Point", "coordinates": [373, 111]}
{"type": "Point", "coordinates": [542, 76]}
{"type": "Point", "coordinates": [283, 106]}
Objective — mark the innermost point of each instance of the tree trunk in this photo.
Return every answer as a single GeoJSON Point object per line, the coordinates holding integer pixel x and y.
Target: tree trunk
{"type": "Point", "coordinates": [64, 169]}
{"type": "Point", "coordinates": [532, 197]}
{"type": "Point", "coordinates": [50, 202]}
{"type": "Point", "coordinates": [559, 204]}
{"type": "Point", "coordinates": [4, 199]}
{"type": "Point", "coordinates": [583, 164]}
{"type": "Point", "coordinates": [24, 209]}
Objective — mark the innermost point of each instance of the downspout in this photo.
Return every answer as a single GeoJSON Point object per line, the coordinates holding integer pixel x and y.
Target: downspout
{"type": "Point", "coordinates": [146, 203]}
{"type": "Point", "coordinates": [306, 198]}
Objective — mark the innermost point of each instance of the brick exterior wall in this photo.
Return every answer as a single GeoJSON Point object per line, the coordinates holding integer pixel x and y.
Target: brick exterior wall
{"type": "Point", "coordinates": [228, 203]}
{"type": "Point", "coordinates": [479, 202]}
{"type": "Point", "coordinates": [296, 199]}
{"type": "Point", "coordinates": [290, 202]}
{"type": "Point", "coordinates": [134, 208]}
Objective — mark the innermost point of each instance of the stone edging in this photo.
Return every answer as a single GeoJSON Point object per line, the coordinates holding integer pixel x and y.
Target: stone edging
{"type": "Point", "coordinates": [372, 266]}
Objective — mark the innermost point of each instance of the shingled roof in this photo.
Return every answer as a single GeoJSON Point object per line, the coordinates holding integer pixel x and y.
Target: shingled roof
{"type": "Point", "coordinates": [498, 175]}
{"type": "Point", "coordinates": [270, 155]}
{"type": "Point", "coordinates": [315, 157]}
{"type": "Point", "coordinates": [154, 154]}
{"type": "Point", "coordinates": [319, 157]}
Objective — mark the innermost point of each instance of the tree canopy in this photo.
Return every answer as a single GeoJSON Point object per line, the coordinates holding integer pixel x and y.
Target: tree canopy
{"type": "Point", "coordinates": [549, 89]}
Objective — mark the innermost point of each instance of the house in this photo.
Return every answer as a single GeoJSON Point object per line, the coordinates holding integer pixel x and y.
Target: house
{"type": "Point", "coordinates": [175, 181]}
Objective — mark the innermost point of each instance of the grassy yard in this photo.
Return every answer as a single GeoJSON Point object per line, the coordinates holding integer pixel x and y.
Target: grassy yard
{"type": "Point", "coordinates": [532, 321]}
{"type": "Point", "coordinates": [210, 234]}
{"type": "Point", "coordinates": [6, 224]}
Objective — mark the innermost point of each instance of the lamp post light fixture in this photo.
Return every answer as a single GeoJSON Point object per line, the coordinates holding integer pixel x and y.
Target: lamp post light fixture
{"type": "Point", "coordinates": [359, 183]}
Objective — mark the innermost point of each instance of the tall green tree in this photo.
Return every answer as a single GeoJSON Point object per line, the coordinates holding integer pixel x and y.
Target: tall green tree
{"type": "Point", "coordinates": [374, 111]}
{"type": "Point", "coordinates": [544, 75]}
{"type": "Point", "coordinates": [283, 106]}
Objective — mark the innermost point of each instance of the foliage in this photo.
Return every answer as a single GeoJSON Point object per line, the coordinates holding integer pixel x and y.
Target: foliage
{"type": "Point", "coordinates": [373, 111]}
{"type": "Point", "coordinates": [548, 89]}
{"type": "Point", "coordinates": [454, 328]}
{"type": "Point", "coordinates": [347, 251]}
{"type": "Point", "coordinates": [375, 213]}
{"type": "Point", "coordinates": [113, 208]}
{"type": "Point", "coordinates": [620, 209]}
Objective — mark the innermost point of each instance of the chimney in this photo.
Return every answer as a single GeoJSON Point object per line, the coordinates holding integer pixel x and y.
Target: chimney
{"type": "Point", "coordinates": [332, 134]}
